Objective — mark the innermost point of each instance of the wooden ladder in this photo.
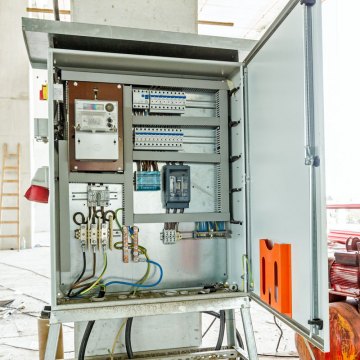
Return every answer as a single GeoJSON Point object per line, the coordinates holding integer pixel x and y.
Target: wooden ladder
{"type": "Point", "coordinates": [10, 188]}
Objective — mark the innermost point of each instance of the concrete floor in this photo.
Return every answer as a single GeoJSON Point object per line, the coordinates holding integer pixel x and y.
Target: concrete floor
{"type": "Point", "coordinates": [25, 277]}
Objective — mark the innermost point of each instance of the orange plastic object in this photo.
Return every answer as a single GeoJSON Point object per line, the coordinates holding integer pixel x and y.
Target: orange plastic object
{"type": "Point", "coordinates": [275, 276]}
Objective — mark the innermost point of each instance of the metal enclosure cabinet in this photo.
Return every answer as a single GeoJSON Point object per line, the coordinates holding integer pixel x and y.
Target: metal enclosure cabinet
{"type": "Point", "coordinates": [240, 126]}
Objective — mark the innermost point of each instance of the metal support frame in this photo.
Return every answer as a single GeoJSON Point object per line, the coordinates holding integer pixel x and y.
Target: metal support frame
{"type": "Point", "coordinates": [224, 151]}
{"type": "Point", "coordinates": [249, 332]}
{"type": "Point", "coordinates": [196, 303]}
{"type": "Point", "coordinates": [52, 341]}
{"type": "Point", "coordinates": [128, 158]}
{"type": "Point", "coordinates": [312, 160]}
{"type": "Point", "coordinates": [230, 327]}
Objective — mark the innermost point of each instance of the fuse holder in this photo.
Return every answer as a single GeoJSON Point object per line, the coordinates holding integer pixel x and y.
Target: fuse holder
{"type": "Point", "coordinates": [275, 276]}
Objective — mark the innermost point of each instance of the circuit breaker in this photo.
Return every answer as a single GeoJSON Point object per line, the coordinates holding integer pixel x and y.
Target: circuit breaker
{"type": "Point", "coordinates": [177, 186]}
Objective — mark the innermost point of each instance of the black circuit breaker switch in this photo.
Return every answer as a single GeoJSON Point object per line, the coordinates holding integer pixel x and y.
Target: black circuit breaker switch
{"type": "Point", "coordinates": [177, 186]}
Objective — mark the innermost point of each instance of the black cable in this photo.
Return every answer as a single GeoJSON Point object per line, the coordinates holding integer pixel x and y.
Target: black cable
{"type": "Point", "coordinates": [85, 339]}
{"type": "Point", "coordinates": [221, 331]}
{"type": "Point", "coordinates": [128, 346]}
{"type": "Point", "coordinates": [82, 216]}
{"type": "Point", "coordinates": [238, 336]}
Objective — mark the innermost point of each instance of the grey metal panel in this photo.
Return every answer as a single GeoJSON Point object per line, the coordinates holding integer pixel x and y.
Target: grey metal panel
{"type": "Point", "coordinates": [78, 35]}
{"type": "Point", "coordinates": [176, 156]}
{"type": "Point", "coordinates": [187, 217]}
{"type": "Point", "coordinates": [65, 254]}
{"type": "Point", "coordinates": [53, 189]}
{"type": "Point", "coordinates": [169, 333]}
{"type": "Point", "coordinates": [128, 158]}
{"type": "Point", "coordinates": [75, 177]}
{"type": "Point", "coordinates": [153, 64]}
{"type": "Point", "coordinates": [141, 79]}
{"type": "Point", "coordinates": [279, 186]}
{"type": "Point", "coordinates": [176, 121]}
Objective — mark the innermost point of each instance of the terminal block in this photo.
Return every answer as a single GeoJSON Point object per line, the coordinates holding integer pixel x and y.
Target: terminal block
{"type": "Point", "coordinates": [158, 138]}
{"type": "Point", "coordinates": [170, 237]}
{"type": "Point", "coordinates": [147, 180]}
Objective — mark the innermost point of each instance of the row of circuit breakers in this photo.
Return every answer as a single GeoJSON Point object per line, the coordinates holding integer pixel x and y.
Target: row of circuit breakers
{"type": "Point", "coordinates": [97, 122]}
{"type": "Point", "coordinates": [159, 101]}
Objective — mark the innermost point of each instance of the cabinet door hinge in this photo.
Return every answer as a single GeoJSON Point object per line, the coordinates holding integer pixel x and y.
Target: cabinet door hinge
{"type": "Point", "coordinates": [310, 158]}
{"type": "Point", "coordinates": [235, 158]}
{"type": "Point", "coordinates": [308, 2]}
{"type": "Point", "coordinates": [317, 322]}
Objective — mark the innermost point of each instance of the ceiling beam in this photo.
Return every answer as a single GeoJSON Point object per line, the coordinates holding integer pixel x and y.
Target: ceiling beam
{"type": "Point", "coordinates": [46, 11]}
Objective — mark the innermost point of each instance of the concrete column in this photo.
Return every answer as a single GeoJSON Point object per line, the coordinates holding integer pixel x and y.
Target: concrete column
{"type": "Point", "coordinates": [14, 103]}
{"type": "Point", "coordinates": [167, 15]}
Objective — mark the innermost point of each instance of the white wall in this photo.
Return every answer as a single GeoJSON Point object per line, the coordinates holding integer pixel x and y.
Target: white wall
{"type": "Point", "coordinates": [14, 101]}
{"type": "Point", "coordinates": [168, 15]}
{"type": "Point", "coordinates": [341, 95]}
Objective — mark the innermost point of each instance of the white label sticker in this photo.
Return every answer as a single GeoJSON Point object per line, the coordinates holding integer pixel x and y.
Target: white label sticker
{"type": "Point", "coordinates": [58, 92]}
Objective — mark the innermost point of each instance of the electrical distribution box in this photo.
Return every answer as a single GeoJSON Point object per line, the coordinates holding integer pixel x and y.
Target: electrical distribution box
{"type": "Point", "coordinates": [221, 130]}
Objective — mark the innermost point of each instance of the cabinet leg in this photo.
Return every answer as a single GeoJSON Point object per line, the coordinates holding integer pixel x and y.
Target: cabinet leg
{"type": "Point", "coordinates": [52, 341]}
{"type": "Point", "coordinates": [230, 327]}
{"type": "Point", "coordinates": [249, 332]}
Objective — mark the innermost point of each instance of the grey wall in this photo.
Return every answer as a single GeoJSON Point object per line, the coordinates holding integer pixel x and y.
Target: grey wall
{"type": "Point", "coordinates": [169, 15]}
{"type": "Point", "coordinates": [14, 101]}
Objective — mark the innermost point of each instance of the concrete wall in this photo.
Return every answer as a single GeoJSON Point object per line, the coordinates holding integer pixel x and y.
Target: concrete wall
{"type": "Point", "coordinates": [168, 15]}
{"type": "Point", "coordinates": [14, 102]}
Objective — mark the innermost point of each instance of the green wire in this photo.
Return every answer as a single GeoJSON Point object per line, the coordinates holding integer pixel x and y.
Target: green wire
{"type": "Point", "coordinates": [95, 284]}
{"type": "Point", "coordinates": [249, 273]}
{"type": "Point", "coordinates": [118, 246]}
{"type": "Point", "coordinates": [116, 218]}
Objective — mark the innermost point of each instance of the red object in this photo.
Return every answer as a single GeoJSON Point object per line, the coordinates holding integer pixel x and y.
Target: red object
{"type": "Point", "coordinates": [343, 206]}
{"type": "Point", "coordinates": [37, 194]}
{"type": "Point", "coordinates": [344, 270]}
{"type": "Point", "coordinates": [344, 335]}
{"type": "Point", "coordinates": [345, 280]}
{"type": "Point", "coordinates": [275, 276]}
{"type": "Point", "coordinates": [341, 236]}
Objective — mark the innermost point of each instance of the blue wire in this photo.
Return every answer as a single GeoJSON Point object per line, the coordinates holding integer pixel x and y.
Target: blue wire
{"type": "Point", "coordinates": [115, 282]}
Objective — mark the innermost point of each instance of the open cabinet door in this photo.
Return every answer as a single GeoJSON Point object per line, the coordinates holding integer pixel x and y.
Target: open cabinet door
{"type": "Point", "coordinates": [285, 167]}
